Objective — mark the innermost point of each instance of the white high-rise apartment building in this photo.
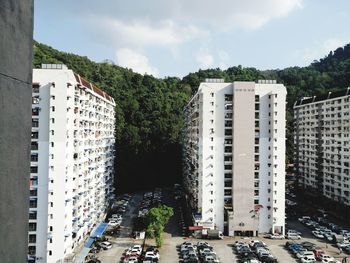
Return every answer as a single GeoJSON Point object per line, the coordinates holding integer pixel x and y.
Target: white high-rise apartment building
{"type": "Point", "coordinates": [72, 156]}
{"type": "Point", "coordinates": [234, 156]}
{"type": "Point", "coordinates": [322, 145]}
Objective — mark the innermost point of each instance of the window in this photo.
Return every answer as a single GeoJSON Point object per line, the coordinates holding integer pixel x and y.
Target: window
{"type": "Point", "coordinates": [227, 192]}
{"type": "Point", "coordinates": [32, 238]}
{"type": "Point", "coordinates": [228, 149]}
{"type": "Point", "coordinates": [228, 132]}
{"type": "Point", "coordinates": [53, 108]}
{"type": "Point", "coordinates": [34, 146]}
{"type": "Point", "coordinates": [36, 88]}
{"type": "Point", "coordinates": [31, 250]}
{"type": "Point", "coordinates": [33, 169]}
{"type": "Point", "coordinates": [212, 94]}
{"type": "Point", "coordinates": [35, 100]}
{"type": "Point", "coordinates": [35, 123]}
{"type": "Point", "coordinates": [228, 175]}
{"type": "Point", "coordinates": [32, 226]}
{"type": "Point", "coordinates": [32, 215]}
{"type": "Point", "coordinates": [50, 252]}
{"type": "Point", "coordinates": [228, 167]}
{"type": "Point", "coordinates": [35, 135]}
{"type": "Point", "coordinates": [35, 111]}
{"type": "Point", "coordinates": [34, 157]}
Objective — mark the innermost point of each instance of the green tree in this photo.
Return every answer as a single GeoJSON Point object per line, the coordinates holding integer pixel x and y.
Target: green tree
{"type": "Point", "coordinates": [156, 220]}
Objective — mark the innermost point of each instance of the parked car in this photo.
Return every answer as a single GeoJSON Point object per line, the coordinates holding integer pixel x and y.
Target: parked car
{"type": "Point", "coordinates": [303, 254]}
{"type": "Point", "coordinates": [131, 259]}
{"type": "Point", "coordinates": [113, 223]}
{"type": "Point", "coordinates": [317, 234]}
{"type": "Point", "coordinates": [293, 236]}
{"type": "Point", "coordinates": [152, 254]}
{"type": "Point", "coordinates": [308, 260]}
{"type": "Point", "coordinates": [275, 236]}
{"type": "Point", "coordinates": [105, 245]}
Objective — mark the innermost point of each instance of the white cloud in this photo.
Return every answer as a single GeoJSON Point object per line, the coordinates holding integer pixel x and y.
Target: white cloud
{"type": "Point", "coordinates": [136, 61]}
{"type": "Point", "coordinates": [204, 58]}
{"type": "Point", "coordinates": [220, 14]}
{"type": "Point", "coordinates": [141, 33]}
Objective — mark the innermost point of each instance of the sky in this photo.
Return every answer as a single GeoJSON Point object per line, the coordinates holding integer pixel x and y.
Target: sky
{"type": "Point", "coordinates": [175, 37]}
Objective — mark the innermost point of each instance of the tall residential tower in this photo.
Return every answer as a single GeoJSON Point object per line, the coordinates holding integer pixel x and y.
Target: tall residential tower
{"type": "Point", "coordinates": [72, 152]}
{"type": "Point", "coordinates": [234, 156]}
{"type": "Point", "coordinates": [322, 145]}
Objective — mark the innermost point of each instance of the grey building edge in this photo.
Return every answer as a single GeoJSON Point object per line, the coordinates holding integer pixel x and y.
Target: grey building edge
{"type": "Point", "coordinates": [16, 39]}
{"type": "Point", "coordinates": [320, 146]}
{"type": "Point", "coordinates": [327, 96]}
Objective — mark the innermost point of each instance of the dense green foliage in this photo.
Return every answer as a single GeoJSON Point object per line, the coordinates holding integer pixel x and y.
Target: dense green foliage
{"type": "Point", "coordinates": [149, 110]}
{"type": "Point", "coordinates": [156, 219]}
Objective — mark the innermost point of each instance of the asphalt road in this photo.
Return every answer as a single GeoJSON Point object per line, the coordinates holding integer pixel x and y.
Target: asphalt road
{"type": "Point", "coordinates": [123, 240]}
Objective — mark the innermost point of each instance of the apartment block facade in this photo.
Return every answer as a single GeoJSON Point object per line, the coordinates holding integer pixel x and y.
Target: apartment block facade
{"type": "Point", "coordinates": [234, 156]}
{"type": "Point", "coordinates": [72, 156]}
{"type": "Point", "coordinates": [322, 145]}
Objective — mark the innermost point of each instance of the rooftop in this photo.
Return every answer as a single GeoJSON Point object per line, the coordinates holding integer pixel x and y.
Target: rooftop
{"type": "Point", "coordinates": [326, 96]}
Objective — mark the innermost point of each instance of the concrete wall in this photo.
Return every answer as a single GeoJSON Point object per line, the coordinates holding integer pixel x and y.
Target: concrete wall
{"type": "Point", "coordinates": [16, 27]}
{"type": "Point", "coordinates": [243, 156]}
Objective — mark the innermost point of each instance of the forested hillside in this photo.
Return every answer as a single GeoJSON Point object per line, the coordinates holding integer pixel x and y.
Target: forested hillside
{"type": "Point", "coordinates": [149, 110]}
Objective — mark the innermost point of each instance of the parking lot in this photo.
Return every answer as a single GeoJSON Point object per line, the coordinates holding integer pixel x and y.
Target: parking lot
{"type": "Point", "coordinates": [175, 234]}
{"type": "Point", "coordinates": [123, 240]}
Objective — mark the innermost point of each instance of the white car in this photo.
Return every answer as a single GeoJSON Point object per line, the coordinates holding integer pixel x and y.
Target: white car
{"type": "Point", "coordinates": [106, 245]}
{"type": "Point", "coordinates": [328, 260]}
{"type": "Point", "coordinates": [133, 251]}
{"type": "Point", "coordinates": [292, 231]}
{"type": "Point", "coordinates": [325, 258]}
{"type": "Point", "coordinates": [293, 236]}
{"type": "Point", "coordinates": [239, 243]}
{"type": "Point", "coordinates": [131, 260]}
{"type": "Point", "coordinates": [317, 234]}
{"type": "Point", "coordinates": [308, 260]}
{"type": "Point", "coordinates": [275, 236]}
{"type": "Point", "coordinates": [308, 254]}
{"type": "Point", "coordinates": [113, 223]}
{"type": "Point", "coordinates": [152, 254]}
{"type": "Point", "coordinates": [211, 258]}
{"type": "Point", "coordinates": [343, 244]}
